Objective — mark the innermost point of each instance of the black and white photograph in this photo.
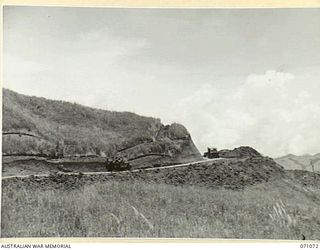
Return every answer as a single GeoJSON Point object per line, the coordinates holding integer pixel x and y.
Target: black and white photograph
{"type": "Point", "coordinates": [182, 123]}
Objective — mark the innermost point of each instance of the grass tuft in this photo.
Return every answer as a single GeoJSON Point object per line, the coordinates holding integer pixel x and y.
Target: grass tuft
{"type": "Point", "coordinates": [136, 209]}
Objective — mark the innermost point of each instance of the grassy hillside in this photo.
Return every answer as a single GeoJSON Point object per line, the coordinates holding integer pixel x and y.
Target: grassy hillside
{"type": "Point", "coordinates": [62, 128]}
{"type": "Point", "coordinates": [242, 196]}
{"type": "Point", "coordinates": [280, 209]}
{"type": "Point", "coordinates": [302, 162]}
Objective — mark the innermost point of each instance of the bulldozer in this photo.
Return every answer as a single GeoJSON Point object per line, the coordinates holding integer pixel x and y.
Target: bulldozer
{"type": "Point", "coordinates": [211, 153]}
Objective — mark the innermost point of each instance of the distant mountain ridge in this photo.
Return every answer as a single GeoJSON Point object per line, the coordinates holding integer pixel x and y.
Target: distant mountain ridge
{"type": "Point", "coordinates": [37, 125]}
{"type": "Point", "coordinates": [303, 162]}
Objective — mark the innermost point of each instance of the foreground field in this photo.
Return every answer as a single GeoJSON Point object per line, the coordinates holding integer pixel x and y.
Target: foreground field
{"type": "Point", "coordinates": [272, 210]}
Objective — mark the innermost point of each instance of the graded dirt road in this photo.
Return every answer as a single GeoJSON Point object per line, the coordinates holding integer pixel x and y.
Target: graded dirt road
{"type": "Point", "coordinates": [126, 171]}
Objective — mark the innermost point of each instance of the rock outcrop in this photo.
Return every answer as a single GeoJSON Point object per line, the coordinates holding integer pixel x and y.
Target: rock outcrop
{"type": "Point", "coordinates": [62, 129]}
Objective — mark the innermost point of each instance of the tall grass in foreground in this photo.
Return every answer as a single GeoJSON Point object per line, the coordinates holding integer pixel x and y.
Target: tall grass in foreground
{"type": "Point", "coordinates": [132, 209]}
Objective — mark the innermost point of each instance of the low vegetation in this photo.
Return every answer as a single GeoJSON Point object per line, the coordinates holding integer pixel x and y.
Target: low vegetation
{"type": "Point", "coordinates": [57, 129]}
{"type": "Point", "coordinates": [73, 128]}
{"type": "Point", "coordinates": [277, 210]}
{"type": "Point", "coordinates": [248, 197]}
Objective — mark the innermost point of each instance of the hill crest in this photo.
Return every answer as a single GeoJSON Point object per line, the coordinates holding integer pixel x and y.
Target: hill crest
{"type": "Point", "coordinates": [68, 129]}
{"type": "Point", "coordinates": [300, 162]}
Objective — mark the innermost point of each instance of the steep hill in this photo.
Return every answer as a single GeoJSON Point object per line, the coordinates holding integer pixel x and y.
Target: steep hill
{"type": "Point", "coordinates": [38, 126]}
{"type": "Point", "coordinates": [303, 162]}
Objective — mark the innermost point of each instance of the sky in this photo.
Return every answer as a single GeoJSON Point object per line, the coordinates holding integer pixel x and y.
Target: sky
{"type": "Point", "coordinates": [232, 76]}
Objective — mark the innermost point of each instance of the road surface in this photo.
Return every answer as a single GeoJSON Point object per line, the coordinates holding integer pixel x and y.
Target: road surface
{"type": "Point", "coordinates": [126, 171]}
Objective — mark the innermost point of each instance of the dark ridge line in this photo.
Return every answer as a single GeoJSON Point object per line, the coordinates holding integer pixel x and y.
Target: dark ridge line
{"type": "Point", "coordinates": [55, 161]}
{"type": "Point", "coordinates": [34, 155]}
{"type": "Point", "coordinates": [146, 155]}
{"type": "Point", "coordinates": [32, 159]}
{"type": "Point", "coordinates": [19, 133]}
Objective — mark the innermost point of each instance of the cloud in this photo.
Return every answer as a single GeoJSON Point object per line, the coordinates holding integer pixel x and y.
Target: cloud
{"type": "Point", "coordinates": [71, 68]}
{"type": "Point", "coordinates": [271, 112]}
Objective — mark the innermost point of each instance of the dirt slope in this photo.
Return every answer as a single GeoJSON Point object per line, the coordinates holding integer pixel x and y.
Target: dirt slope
{"type": "Point", "coordinates": [55, 128]}
{"type": "Point", "coordinates": [227, 173]}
